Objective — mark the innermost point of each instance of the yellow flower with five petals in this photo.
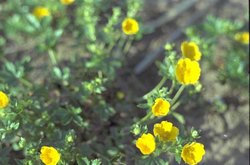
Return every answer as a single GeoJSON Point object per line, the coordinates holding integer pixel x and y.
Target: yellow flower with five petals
{"type": "Point", "coordinates": [130, 26]}
{"type": "Point", "coordinates": [190, 50]}
{"type": "Point", "coordinates": [192, 153]}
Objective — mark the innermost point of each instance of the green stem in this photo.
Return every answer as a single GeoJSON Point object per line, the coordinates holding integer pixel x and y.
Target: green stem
{"type": "Point", "coordinates": [172, 108]}
{"type": "Point", "coordinates": [112, 44]}
{"type": "Point", "coordinates": [153, 120]}
{"type": "Point", "coordinates": [158, 86]}
{"type": "Point", "coordinates": [128, 44]}
{"type": "Point", "coordinates": [177, 94]}
{"type": "Point", "coordinates": [25, 82]}
{"type": "Point", "coordinates": [172, 87]}
{"type": "Point", "coordinates": [120, 44]}
{"type": "Point", "coordinates": [175, 105]}
{"type": "Point", "coordinates": [145, 118]}
{"type": "Point", "coordinates": [52, 56]}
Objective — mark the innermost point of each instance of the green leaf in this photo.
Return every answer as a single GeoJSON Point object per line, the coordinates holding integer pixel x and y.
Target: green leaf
{"type": "Point", "coordinates": [33, 21]}
{"type": "Point", "coordinates": [116, 157]}
{"type": "Point", "coordinates": [58, 33]}
{"type": "Point", "coordinates": [78, 120]}
{"type": "Point", "coordinates": [178, 158]}
{"type": "Point", "coordinates": [159, 161]}
{"type": "Point", "coordinates": [85, 150]}
{"type": "Point", "coordinates": [145, 105]}
{"type": "Point", "coordinates": [95, 162]}
{"type": "Point", "coordinates": [5, 151]}
{"type": "Point", "coordinates": [67, 119]}
{"type": "Point", "coordinates": [179, 117]}
{"type": "Point", "coordinates": [182, 131]}
{"type": "Point", "coordinates": [57, 72]}
{"type": "Point", "coordinates": [22, 142]}
{"type": "Point", "coordinates": [40, 122]}
{"type": "Point", "coordinates": [19, 162]}
{"type": "Point", "coordinates": [82, 160]}
{"type": "Point", "coordinates": [77, 111]}
{"type": "Point", "coordinates": [66, 73]}
{"type": "Point", "coordinates": [146, 161]}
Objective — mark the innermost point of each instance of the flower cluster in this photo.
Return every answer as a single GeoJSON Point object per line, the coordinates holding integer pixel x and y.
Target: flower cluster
{"type": "Point", "coordinates": [166, 132]}
{"type": "Point", "coordinates": [161, 107]}
{"type": "Point", "coordinates": [49, 156]}
{"type": "Point", "coordinates": [187, 72]}
{"type": "Point", "coordinates": [192, 153]}
{"type": "Point", "coordinates": [4, 100]}
{"type": "Point", "coordinates": [242, 37]}
{"type": "Point", "coordinates": [130, 26]}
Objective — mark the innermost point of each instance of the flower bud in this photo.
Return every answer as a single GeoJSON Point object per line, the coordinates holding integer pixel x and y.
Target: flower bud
{"type": "Point", "coordinates": [136, 130]}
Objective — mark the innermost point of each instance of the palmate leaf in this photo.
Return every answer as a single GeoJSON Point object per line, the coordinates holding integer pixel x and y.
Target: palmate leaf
{"type": "Point", "coordinates": [152, 161]}
{"type": "Point", "coordinates": [67, 119]}
{"type": "Point", "coordinates": [145, 105]}
{"type": "Point", "coordinates": [82, 160]}
{"type": "Point", "coordinates": [179, 117]}
{"type": "Point", "coordinates": [95, 162]}
{"type": "Point", "coordinates": [178, 157]}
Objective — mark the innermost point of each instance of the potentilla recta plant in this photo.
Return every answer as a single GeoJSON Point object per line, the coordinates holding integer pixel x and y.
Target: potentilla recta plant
{"type": "Point", "coordinates": [166, 137]}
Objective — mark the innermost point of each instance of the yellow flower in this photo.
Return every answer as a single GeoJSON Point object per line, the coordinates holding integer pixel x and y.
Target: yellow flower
{"type": "Point", "coordinates": [130, 26]}
{"type": "Point", "coordinates": [4, 100]}
{"type": "Point", "coordinates": [192, 154]}
{"type": "Point", "coordinates": [242, 37]}
{"type": "Point", "coordinates": [49, 156]}
{"type": "Point", "coordinates": [120, 95]}
{"type": "Point", "coordinates": [40, 12]}
{"type": "Point", "coordinates": [146, 143]}
{"type": "Point", "coordinates": [190, 50]}
{"type": "Point", "coordinates": [187, 71]}
{"type": "Point", "coordinates": [161, 107]}
{"type": "Point", "coordinates": [166, 131]}
{"type": "Point", "coordinates": [67, 2]}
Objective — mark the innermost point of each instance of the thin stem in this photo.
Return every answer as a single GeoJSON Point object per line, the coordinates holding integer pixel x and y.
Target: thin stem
{"type": "Point", "coordinates": [172, 108]}
{"type": "Point", "coordinates": [120, 44]}
{"type": "Point", "coordinates": [145, 118]}
{"type": "Point", "coordinates": [177, 94]}
{"type": "Point", "coordinates": [158, 86]}
{"type": "Point", "coordinates": [153, 120]}
{"type": "Point", "coordinates": [52, 56]}
{"type": "Point", "coordinates": [25, 82]}
{"type": "Point", "coordinates": [99, 74]}
{"type": "Point", "coordinates": [128, 44]}
{"type": "Point", "coordinates": [112, 44]}
{"type": "Point", "coordinates": [158, 118]}
{"type": "Point", "coordinates": [175, 105]}
{"type": "Point", "coordinates": [172, 87]}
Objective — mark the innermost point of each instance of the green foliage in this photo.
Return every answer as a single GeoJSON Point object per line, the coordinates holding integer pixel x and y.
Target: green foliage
{"type": "Point", "coordinates": [69, 108]}
{"type": "Point", "coordinates": [70, 103]}
{"type": "Point", "coordinates": [232, 59]}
